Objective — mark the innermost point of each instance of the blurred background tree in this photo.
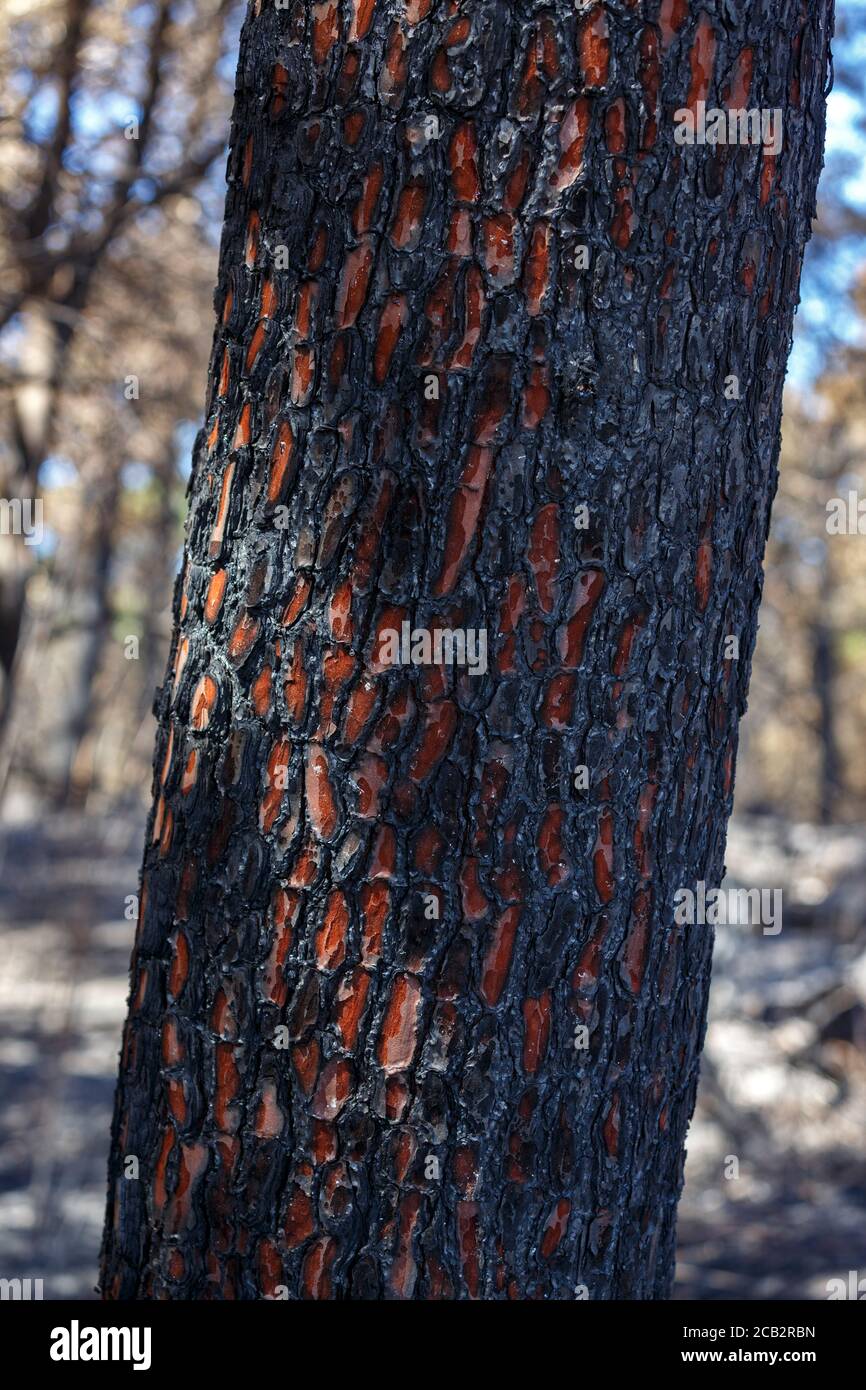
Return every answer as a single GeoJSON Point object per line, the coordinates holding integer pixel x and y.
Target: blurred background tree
{"type": "Point", "coordinates": [112, 143]}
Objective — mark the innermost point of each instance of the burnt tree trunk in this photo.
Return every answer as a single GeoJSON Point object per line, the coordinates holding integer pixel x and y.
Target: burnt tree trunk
{"type": "Point", "coordinates": [380, 903]}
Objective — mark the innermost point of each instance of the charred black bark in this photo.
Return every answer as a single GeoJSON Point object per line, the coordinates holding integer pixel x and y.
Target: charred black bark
{"type": "Point", "coordinates": [495, 354]}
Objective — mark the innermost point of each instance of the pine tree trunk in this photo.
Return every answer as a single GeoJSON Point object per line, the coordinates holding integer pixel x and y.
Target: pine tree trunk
{"type": "Point", "coordinates": [410, 1015]}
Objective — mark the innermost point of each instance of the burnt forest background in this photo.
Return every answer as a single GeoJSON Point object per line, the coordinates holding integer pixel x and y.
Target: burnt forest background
{"type": "Point", "coordinates": [113, 132]}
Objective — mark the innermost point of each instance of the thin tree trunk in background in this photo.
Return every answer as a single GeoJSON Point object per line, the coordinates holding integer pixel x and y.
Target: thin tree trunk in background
{"type": "Point", "coordinates": [64, 641]}
{"type": "Point", "coordinates": [90, 603]}
{"type": "Point", "coordinates": [163, 568]}
{"type": "Point", "coordinates": [331, 1092]}
{"type": "Point", "coordinates": [32, 413]}
{"type": "Point", "coordinates": [824, 674]}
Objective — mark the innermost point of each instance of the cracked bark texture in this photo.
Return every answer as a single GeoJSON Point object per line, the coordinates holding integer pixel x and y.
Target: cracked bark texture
{"type": "Point", "coordinates": [331, 1094]}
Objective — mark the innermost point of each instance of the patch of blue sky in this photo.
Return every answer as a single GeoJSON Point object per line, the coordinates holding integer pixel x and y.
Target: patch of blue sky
{"type": "Point", "coordinates": [824, 314]}
{"type": "Point", "coordinates": [98, 114]}
{"type": "Point", "coordinates": [135, 475]}
{"type": "Point", "coordinates": [40, 117]}
{"type": "Point", "coordinates": [844, 138]}
{"type": "Point", "coordinates": [184, 437]}
{"type": "Point", "coordinates": [829, 271]}
{"type": "Point", "coordinates": [47, 545]}
{"type": "Point", "coordinates": [57, 471]}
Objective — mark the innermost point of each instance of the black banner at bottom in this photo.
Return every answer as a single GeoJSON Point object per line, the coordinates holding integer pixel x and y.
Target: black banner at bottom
{"type": "Point", "coordinates": [81, 1339]}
